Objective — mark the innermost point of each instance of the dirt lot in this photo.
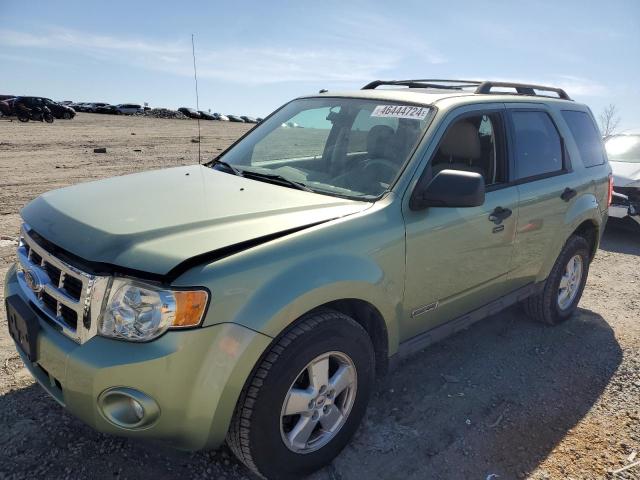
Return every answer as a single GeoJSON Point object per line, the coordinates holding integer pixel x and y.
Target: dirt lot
{"type": "Point", "coordinates": [507, 397]}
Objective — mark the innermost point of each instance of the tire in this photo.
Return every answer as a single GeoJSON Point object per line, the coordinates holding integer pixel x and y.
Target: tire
{"type": "Point", "coordinates": [23, 117]}
{"type": "Point", "coordinates": [550, 306]}
{"type": "Point", "coordinates": [48, 118]}
{"type": "Point", "coordinates": [260, 428]}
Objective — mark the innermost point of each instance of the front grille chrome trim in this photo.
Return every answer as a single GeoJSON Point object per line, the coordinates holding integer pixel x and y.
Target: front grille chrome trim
{"type": "Point", "coordinates": [87, 308]}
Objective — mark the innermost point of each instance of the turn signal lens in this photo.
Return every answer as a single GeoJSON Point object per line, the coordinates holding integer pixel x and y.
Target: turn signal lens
{"type": "Point", "coordinates": [610, 199]}
{"type": "Point", "coordinates": [190, 306]}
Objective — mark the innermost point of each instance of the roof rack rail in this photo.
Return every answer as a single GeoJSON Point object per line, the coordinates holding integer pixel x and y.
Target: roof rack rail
{"type": "Point", "coordinates": [444, 84]}
{"type": "Point", "coordinates": [481, 86]}
{"type": "Point", "coordinates": [521, 89]}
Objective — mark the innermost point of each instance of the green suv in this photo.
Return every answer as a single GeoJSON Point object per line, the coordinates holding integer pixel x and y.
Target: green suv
{"type": "Point", "coordinates": [255, 298]}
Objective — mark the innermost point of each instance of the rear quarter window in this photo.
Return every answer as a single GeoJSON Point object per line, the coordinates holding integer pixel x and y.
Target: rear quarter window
{"type": "Point", "coordinates": [587, 137]}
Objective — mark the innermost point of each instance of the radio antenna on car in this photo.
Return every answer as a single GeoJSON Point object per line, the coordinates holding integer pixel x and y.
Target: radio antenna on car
{"type": "Point", "coordinates": [195, 77]}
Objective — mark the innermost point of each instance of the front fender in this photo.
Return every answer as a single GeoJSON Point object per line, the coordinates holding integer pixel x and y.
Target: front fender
{"type": "Point", "coordinates": [269, 286]}
{"type": "Point", "coordinates": [304, 286]}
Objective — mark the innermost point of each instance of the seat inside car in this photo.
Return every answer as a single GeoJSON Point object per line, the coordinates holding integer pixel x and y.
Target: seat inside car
{"type": "Point", "coordinates": [460, 149]}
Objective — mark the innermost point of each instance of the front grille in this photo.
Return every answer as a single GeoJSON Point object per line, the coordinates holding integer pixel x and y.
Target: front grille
{"type": "Point", "coordinates": [53, 272]}
{"type": "Point", "coordinates": [73, 287]}
{"type": "Point", "coordinates": [67, 295]}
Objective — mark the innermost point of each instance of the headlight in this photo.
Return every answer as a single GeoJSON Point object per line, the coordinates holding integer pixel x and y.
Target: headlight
{"type": "Point", "coordinates": [141, 312]}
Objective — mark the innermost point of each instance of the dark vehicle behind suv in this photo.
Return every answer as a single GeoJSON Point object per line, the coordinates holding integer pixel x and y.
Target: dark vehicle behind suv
{"type": "Point", "coordinates": [189, 112]}
{"type": "Point", "coordinates": [58, 110]}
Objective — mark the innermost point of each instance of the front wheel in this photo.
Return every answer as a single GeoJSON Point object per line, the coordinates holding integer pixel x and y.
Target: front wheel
{"type": "Point", "coordinates": [305, 399]}
{"type": "Point", "coordinates": [48, 118]}
{"type": "Point", "coordinates": [563, 289]}
{"type": "Point", "coordinates": [23, 117]}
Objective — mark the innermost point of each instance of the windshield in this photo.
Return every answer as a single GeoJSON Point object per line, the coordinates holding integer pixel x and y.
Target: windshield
{"type": "Point", "coordinates": [623, 148]}
{"type": "Point", "coordinates": [339, 146]}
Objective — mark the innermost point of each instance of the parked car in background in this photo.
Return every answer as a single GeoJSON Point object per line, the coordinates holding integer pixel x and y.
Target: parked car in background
{"type": "Point", "coordinates": [6, 106]}
{"type": "Point", "coordinates": [235, 118]}
{"type": "Point", "coordinates": [65, 102]}
{"type": "Point", "coordinates": [259, 119]}
{"type": "Point", "coordinates": [221, 117]}
{"type": "Point", "coordinates": [206, 115]}
{"type": "Point", "coordinates": [624, 157]}
{"type": "Point", "coordinates": [80, 106]}
{"type": "Point", "coordinates": [128, 108]}
{"type": "Point", "coordinates": [189, 112]}
{"type": "Point", "coordinates": [248, 119]}
{"type": "Point", "coordinates": [107, 109]}
{"type": "Point", "coordinates": [92, 107]}
{"type": "Point", "coordinates": [58, 110]}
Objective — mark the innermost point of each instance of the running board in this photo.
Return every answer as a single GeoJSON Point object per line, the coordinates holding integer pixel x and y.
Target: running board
{"type": "Point", "coordinates": [423, 340]}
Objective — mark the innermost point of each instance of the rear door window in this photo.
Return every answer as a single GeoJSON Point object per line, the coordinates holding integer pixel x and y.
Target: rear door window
{"type": "Point", "coordinates": [537, 146]}
{"type": "Point", "coordinates": [587, 137]}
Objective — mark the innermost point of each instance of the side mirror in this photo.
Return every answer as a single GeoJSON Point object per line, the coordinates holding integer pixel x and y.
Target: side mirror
{"type": "Point", "coordinates": [449, 188]}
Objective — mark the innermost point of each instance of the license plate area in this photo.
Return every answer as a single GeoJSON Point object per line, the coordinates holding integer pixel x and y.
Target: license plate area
{"type": "Point", "coordinates": [23, 326]}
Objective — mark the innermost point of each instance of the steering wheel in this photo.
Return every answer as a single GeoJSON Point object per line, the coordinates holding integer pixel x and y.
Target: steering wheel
{"type": "Point", "coordinates": [383, 165]}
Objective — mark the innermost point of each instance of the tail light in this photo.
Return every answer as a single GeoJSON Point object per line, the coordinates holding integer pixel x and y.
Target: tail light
{"type": "Point", "coordinates": [610, 198]}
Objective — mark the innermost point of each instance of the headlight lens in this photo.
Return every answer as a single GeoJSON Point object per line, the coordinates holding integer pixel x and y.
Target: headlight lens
{"type": "Point", "coordinates": [140, 312]}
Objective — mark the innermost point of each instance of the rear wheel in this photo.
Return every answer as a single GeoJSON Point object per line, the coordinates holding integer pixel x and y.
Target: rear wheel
{"type": "Point", "coordinates": [48, 117]}
{"type": "Point", "coordinates": [305, 399]}
{"type": "Point", "coordinates": [563, 288]}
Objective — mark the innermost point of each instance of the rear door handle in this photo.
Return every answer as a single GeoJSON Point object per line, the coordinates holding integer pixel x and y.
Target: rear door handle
{"type": "Point", "coordinates": [499, 214]}
{"type": "Point", "coordinates": [568, 194]}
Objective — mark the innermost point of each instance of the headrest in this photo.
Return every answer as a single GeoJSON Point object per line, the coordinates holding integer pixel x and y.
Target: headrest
{"type": "Point", "coordinates": [462, 141]}
{"type": "Point", "coordinates": [378, 140]}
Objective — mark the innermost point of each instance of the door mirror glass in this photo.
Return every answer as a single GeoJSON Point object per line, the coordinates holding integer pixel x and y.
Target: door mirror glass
{"type": "Point", "coordinates": [450, 188]}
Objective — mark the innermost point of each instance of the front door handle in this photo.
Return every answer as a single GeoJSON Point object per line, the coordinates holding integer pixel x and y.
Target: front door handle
{"type": "Point", "coordinates": [499, 214]}
{"type": "Point", "coordinates": [568, 194]}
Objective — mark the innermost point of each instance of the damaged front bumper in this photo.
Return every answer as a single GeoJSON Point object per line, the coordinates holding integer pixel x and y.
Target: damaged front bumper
{"type": "Point", "coordinates": [625, 203]}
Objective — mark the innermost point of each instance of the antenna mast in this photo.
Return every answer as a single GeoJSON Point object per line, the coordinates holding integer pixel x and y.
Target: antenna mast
{"type": "Point", "coordinates": [195, 77]}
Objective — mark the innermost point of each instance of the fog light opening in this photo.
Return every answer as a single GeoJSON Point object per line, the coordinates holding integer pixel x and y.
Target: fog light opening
{"type": "Point", "coordinates": [138, 409]}
{"type": "Point", "coordinates": [128, 408]}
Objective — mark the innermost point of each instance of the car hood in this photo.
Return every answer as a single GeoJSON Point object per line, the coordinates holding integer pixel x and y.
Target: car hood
{"type": "Point", "coordinates": [625, 173]}
{"type": "Point", "coordinates": [153, 221]}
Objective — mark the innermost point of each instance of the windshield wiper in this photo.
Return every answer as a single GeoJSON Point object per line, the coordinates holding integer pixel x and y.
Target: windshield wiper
{"type": "Point", "coordinates": [233, 169]}
{"type": "Point", "coordinates": [277, 178]}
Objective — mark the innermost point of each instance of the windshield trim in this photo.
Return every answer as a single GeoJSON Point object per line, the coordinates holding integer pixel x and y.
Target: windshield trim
{"type": "Point", "coordinates": [369, 199]}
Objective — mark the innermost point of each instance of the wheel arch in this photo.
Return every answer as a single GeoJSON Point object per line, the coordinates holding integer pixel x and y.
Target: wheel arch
{"type": "Point", "coordinates": [370, 318]}
{"type": "Point", "coordinates": [590, 231]}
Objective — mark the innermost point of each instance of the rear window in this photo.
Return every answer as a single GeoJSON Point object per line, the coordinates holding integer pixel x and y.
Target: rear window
{"type": "Point", "coordinates": [587, 137]}
{"type": "Point", "coordinates": [538, 148]}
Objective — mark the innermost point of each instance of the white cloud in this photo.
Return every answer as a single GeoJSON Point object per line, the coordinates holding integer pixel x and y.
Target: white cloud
{"type": "Point", "coordinates": [356, 60]}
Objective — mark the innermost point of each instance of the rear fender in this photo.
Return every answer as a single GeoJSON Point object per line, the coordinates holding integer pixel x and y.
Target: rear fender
{"type": "Point", "coordinates": [584, 208]}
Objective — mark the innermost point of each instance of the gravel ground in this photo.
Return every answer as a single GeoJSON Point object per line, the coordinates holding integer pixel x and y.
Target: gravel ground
{"type": "Point", "coordinates": [507, 397]}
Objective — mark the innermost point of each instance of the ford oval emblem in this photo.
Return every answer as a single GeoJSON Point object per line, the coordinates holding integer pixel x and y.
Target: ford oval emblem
{"type": "Point", "coordinates": [33, 281]}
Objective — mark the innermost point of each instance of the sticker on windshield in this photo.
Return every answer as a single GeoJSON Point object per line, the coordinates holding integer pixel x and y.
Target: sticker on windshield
{"type": "Point", "coordinates": [400, 111]}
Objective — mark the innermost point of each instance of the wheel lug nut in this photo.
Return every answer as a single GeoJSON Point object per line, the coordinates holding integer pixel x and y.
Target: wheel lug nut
{"type": "Point", "coordinates": [323, 389]}
{"type": "Point", "coordinates": [325, 409]}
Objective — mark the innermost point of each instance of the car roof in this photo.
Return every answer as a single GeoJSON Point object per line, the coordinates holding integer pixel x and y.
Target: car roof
{"type": "Point", "coordinates": [429, 97]}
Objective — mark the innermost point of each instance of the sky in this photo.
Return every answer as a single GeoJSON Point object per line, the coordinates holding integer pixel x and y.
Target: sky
{"type": "Point", "coordinates": [253, 56]}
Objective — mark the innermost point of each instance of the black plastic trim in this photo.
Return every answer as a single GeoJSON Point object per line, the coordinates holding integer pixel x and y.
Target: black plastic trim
{"type": "Point", "coordinates": [423, 340]}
